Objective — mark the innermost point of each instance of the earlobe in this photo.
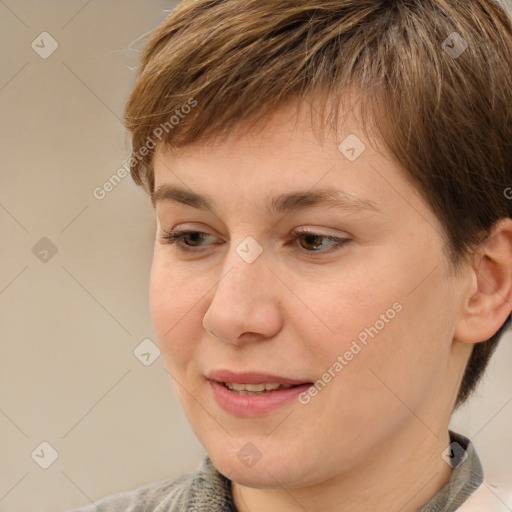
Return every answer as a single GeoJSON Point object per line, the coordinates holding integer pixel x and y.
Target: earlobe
{"type": "Point", "coordinates": [489, 299]}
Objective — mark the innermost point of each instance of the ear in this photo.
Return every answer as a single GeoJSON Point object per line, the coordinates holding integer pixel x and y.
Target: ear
{"type": "Point", "coordinates": [489, 299]}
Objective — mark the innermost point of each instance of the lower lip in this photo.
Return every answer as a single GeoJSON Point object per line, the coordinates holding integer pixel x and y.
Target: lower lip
{"type": "Point", "coordinates": [253, 405]}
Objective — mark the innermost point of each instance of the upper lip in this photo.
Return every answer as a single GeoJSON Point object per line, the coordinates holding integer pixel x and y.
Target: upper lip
{"type": "Point", "coordinates": [251, 378]}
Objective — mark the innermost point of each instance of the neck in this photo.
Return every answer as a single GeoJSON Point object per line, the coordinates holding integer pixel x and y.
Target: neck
{"type": "Point", "coordinates": [404, 475]}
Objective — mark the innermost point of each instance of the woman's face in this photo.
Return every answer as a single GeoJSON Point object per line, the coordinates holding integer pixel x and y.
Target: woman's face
{"type": "Point", "coordinates": [248, 298]}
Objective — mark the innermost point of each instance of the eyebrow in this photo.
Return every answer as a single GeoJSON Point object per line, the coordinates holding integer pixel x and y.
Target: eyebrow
{"type": "Point", "coordinates": [274, 205]}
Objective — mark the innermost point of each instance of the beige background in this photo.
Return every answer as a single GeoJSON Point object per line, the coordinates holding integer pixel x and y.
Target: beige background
{"type": "Point", "coordinates": [70, 321]}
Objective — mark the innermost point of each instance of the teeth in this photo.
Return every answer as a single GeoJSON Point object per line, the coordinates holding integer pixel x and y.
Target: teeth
{"type": "Point", "coordinates": [270, 387]}
{"type": "Point", "coordinates": [245, 389]}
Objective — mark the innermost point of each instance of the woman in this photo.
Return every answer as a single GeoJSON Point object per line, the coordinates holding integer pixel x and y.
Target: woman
{"type": "Point", "coordinates": [332, 261]}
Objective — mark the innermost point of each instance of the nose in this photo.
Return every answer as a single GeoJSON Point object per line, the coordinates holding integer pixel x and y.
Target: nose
{"type": "Point", "coordinates": [246, 303]}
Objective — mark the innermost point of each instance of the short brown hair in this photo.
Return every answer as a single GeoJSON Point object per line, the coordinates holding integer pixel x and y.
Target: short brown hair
{"type": "Point", "coordinates": [448, 114]}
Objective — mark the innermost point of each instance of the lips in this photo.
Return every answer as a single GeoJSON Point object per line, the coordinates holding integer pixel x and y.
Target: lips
{"type": "Point", "coordinates": [245, 403]}
{"type": "Point", "coordinates": [253, 393]}
{"type": "Point", "coordinates": [228, 376]}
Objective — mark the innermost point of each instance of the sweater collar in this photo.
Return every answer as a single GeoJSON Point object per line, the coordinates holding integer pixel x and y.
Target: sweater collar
{"type": "Point", "coordinates": [466, 477]}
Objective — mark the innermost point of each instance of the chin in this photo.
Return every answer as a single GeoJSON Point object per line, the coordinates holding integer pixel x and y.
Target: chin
{"type": "Point", "coordinates": [260, 476]}
{"type": "Point", "coordinates": [271, 471]}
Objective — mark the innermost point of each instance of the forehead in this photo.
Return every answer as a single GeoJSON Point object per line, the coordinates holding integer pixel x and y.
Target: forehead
{"type": "Point", "coordinates": [283, 166]}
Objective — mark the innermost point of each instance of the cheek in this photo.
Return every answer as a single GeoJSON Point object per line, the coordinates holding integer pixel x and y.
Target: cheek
{"type": "Point", "coordinates": [347, 308]}
{"type": "Point", "coordinates": [406, 358]}
{"type": "Point", "coordinates": [174, 307]}
{"type": "Point", "coordinates": [390, 332]}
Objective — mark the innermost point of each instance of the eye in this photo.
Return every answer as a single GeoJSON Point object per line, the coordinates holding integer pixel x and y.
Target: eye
{"type": "Point", "coordinates": [314, 240]}
{"type": "Point", "coordinates": [178, 238]}
{"type": "Point", "coordinates": [190, 241]}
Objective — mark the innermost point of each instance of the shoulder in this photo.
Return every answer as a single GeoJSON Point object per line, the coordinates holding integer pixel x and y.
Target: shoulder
{"type": "Point", "coordinates": [203, 489]}
{"type": "Point", "coordinates": [145, 498]}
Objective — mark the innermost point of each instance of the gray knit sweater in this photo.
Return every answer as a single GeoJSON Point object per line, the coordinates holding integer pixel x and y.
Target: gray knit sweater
{"type": "Point", "coordinates": [207, 490]}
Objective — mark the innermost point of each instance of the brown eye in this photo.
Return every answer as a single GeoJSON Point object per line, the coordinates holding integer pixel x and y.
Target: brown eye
{"type": "Point", "coordinates": [181, 239]}
{"type": "Point", "coordinates": [312, 242]}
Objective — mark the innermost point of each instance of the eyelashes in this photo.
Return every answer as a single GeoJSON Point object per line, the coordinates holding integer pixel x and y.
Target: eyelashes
{"type": "Point", "coordinates": [178, 239]}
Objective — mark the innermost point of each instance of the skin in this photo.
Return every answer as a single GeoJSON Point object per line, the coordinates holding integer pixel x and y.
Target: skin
{"type": "Point", "coordinates": [372, 439]}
